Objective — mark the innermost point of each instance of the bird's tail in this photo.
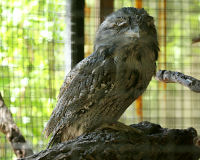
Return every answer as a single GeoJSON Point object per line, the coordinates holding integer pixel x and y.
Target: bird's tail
{"type": "Point", "coordinates": [47, 131]}
{"type": "Point", "coordinates": [55, 139]}
{"type": "Point", "coordinates": [50, 126]}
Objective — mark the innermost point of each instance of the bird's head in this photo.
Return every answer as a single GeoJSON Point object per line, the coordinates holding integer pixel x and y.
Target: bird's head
{"type": "Point", "coordinates": [123, 25]}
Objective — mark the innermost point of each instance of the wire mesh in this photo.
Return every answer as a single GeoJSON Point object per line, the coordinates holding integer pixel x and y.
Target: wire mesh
{"type": "Point", "coordinates": [32, 62]}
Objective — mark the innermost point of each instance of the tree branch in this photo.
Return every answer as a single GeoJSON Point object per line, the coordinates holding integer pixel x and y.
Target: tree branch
{"type": "Point", "coordinates": [12, 132]}
{"type": "Point", "coordinates": [176, 77]}
{"type": "Point", "coordinates": [139, 141]}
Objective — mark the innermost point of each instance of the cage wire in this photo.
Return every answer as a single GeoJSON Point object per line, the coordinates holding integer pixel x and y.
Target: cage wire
{"type": "Point", "coordinates": [33, 64]}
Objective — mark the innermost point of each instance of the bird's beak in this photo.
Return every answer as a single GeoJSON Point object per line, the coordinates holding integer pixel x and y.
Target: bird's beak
{"type": "Point", "coordinates": [133, 32]}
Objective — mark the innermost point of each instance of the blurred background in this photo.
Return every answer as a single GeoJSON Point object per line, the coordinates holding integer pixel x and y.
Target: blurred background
{"type": "Point", "coordinates": [35, 57]}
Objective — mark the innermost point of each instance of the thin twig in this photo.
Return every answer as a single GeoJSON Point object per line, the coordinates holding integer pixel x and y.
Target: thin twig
{"type": "Point", "coordinates": [12, 132]}
{"type": "Point", "coordinates": [176, 77]}
{"type": "Point", "coordinates": [195, 39]}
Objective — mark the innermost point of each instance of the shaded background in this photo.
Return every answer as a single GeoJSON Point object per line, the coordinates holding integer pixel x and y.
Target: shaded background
{"type": "Point", "coordinates": [34, 61]}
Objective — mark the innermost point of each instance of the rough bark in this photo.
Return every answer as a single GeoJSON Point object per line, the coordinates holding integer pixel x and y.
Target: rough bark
{"type": "Point", "coordinates": [143, 141]}
{"type": "Point", "coordinates": [176, 77]}
{"type": "Point", "coordinates": [12, 132]}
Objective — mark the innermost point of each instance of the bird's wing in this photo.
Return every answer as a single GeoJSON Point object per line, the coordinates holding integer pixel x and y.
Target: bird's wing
{"type": "Point", "coordinates": [70, 76]}
{"type": "Point", "coordinates": [95, 75]}
{"type": "Point", "coordinates": [57, 114]}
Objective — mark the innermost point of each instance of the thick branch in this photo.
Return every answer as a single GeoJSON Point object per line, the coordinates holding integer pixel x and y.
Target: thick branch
{"type": "Point", "coordinates": [139, 141]}
{"type": "Point", "coordinates": [176, 77]}
{"type": "Point", "coordinates": [12, 132]}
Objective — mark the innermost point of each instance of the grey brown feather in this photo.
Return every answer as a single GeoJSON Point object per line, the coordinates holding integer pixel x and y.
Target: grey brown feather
{"type": "Point", "coordinates": [101, 87]}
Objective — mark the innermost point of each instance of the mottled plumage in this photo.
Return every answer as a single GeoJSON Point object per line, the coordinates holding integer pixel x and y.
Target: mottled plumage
{"type": "Point", "coordinates": [101, 87]}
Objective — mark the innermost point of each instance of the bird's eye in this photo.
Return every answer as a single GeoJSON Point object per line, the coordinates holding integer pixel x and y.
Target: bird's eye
{"type": "Point", "coordinates": [117, 24]}
{"type": "Point", "coordinates": [122, 24]}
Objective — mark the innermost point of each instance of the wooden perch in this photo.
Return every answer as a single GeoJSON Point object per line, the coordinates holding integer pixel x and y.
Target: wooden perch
{"type": "Point", "coordinates": [176, 77]}
{"type": "Point", "coordinates": [145, 141]}
{"type": "Point", "coordinates": [12, 132]}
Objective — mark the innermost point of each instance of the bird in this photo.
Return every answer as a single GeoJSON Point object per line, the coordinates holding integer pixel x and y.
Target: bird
{"type": "Point", "coordinates": [103, 85]}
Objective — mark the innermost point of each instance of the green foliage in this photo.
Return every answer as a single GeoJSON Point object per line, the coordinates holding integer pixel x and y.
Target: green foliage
{"type": "Point", "coordinates": [32, 64]}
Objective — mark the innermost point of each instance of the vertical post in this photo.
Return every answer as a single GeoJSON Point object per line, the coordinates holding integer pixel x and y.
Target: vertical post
{"type": "Point", "coordinates": [162, 31]}
{"type": "Point", "coordinates": [138, 3]}
{"type": "Point", "coordinates": [77, 31]}
{"type": "Point", "coordinates": [139, 112]}
{"type": "Point", "coordinates": [165, 36]}
{"type": "Point", "coordinates": [106, 7]}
